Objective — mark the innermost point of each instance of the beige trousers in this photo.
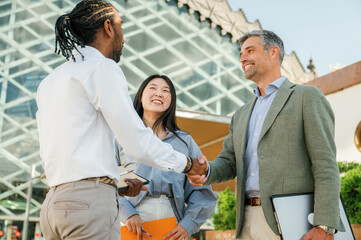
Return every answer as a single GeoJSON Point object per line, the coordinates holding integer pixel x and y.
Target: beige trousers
{"type": "Point", "coordinates": [81, 210]}
{"type": "Point", "coordinates": [255, 226]}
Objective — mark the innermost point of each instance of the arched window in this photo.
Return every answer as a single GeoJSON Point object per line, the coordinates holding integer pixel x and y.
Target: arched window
{"type": "Point", "coordinates": [358, 137]}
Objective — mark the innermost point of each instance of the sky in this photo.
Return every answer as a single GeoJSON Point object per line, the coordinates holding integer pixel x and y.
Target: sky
{"type": "Point", "coordinates": [328, 31]}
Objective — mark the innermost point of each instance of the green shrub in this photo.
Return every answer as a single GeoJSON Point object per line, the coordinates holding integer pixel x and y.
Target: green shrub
{"type": "Point", "coordinates": [344, 167]}
{"type": "Point", "coordinates": [351, 194]}
{"type": "Point", "coordinates": [225, 218]}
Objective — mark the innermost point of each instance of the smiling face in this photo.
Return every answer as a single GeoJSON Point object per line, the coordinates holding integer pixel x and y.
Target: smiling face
{"type": "Point", "coordinates": [156, 97]}
{"type": "Point", "coordinates": [256, 62]}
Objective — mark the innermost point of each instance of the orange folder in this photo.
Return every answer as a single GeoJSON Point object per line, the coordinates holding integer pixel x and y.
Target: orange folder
{"type": "Point", "coordinates": [157, 228]}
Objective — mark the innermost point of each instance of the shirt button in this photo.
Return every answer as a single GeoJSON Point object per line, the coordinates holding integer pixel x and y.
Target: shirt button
{"type": "Point", "coordinates": [256, 134]}
{"type": "Point", "coordinates": [262, 100]}
{"type": "Point", "coordinates": [253, 174]}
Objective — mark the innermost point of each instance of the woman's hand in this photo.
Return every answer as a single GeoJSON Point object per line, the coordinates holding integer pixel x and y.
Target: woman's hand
{"type": "Point", "coordinates": [178, 233]}
{"type": "Point", "coordinates": [135, 225]}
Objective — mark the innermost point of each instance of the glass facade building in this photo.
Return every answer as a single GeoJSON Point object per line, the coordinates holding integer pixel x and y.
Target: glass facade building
{"type": "Point", "coordinates": [160, 37]}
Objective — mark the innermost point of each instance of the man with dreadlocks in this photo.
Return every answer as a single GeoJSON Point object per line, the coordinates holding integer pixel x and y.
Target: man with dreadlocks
{"type": "Point", "coordinates": [82, 105]}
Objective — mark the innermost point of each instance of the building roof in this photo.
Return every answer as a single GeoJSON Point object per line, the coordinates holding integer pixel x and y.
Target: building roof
{"type": "Point", "coordinates": [220, 14]}
{"type": "Point", "coordinates": [236, 24]}
{"type": "Point", "coordinates": [338, 80]}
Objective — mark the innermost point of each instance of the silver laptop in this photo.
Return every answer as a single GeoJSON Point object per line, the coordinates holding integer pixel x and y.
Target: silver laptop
{"type": "Point", "coordinates": [294, 215]}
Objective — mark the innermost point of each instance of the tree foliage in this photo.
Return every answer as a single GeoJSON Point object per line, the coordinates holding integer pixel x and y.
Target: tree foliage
{"type": "Point", "coordinates": [351, 194]}
{"type": "Point", "coordinates": [344, 167]}
{"type": "Point", "coordinates": [225, 218]}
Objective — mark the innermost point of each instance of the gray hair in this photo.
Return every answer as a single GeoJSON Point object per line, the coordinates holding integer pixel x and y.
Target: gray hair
{"type": "Point", "coordinates": [268, 40]}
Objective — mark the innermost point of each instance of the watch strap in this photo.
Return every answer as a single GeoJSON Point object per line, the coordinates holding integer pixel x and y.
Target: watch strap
{"type": "Point", "coordinates": [328, 230]}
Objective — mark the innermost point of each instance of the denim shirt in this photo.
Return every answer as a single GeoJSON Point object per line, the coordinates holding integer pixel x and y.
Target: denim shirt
{"type": "Point", "coordinates": [200, 201]}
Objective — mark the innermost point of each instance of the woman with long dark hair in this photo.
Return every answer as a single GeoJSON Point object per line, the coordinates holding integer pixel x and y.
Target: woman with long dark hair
{"type": "Point", "coordinates": [169, 194]}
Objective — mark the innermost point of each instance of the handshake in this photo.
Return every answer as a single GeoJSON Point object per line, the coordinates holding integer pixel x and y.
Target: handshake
{"type": "Point", "coordinates": [197, 170]}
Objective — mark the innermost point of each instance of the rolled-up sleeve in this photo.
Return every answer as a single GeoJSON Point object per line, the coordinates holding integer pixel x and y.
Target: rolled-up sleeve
{"type": "Point", "coordinates": [107, 86]}
{"type": "Point", "coordinates": [126, 209]}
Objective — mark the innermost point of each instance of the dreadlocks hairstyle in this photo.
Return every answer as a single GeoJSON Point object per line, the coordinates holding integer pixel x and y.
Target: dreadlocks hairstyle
{"type": "Point", "coordinates": [80, 25]}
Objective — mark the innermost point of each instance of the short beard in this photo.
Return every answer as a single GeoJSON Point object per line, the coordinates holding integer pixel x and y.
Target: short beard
{"type": "Point", "coordinates": [117, 48]}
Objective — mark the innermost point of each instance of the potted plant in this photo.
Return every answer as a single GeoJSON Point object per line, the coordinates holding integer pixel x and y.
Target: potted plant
{"type": "Point", "coordinates": [224, 220]}
{"type": "Point", "coordinates": [351, 195]}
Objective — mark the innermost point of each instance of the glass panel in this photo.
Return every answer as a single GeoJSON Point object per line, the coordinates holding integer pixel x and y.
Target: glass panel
{"type": "Point", "coordinates": [228, 106]}
{"type": "Point", "coordinates": [186, 100]}
{"type": "Point", "coordinates": [229, 82]}
{"type": "Point", "coordinates": [42, 9]}
{"type": "Point", "coordinates": [205, 91]}
{"type": "Point", "coordinates": [166, 33]}
{"type": "Point", "coordinates": [141, 13]}
{"type": "Point", "coordinates": [209, 49]}
{"type": "Point", "coordinates": [132, 77]}
{"type": "Point", "coordinates": [244, 94]}
{"type": "Point", "coordinates": [162, 58]}
{"type": "Point", "coordinates": [144, 68]}
{"type": "Point", "coordinates": [42, 29]}
{"type": "Point", "coordinates": [142, 42]}
{"type": "Point", "coordinates": [181, 25]}
{"type": "Point", "coordinates": [190, 52]}
{"type": "Point", "coordinates": [4, 20]}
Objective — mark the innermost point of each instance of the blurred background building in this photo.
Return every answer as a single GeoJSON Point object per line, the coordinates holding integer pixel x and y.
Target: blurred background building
{"type": "Point", "coordinates": [193, 42]}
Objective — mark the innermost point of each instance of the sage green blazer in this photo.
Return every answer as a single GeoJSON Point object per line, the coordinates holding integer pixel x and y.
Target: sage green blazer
{"type": "Point", "coordinates": [296, 154]}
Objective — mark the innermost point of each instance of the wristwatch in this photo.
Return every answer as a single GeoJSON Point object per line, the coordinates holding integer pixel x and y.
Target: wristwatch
{"type": "Point", "coordinates": [189, 165]}
{"type": "Point", "coordinates": [328, 230]}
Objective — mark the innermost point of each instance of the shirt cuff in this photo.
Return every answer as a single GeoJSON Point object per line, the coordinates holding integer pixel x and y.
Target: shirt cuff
{"type": "Point", "coordinates": [209, 171]}
{"type": "Point", "coordinates": [180, 164]}
{"type": "Point", "coordinates": [126, 212]}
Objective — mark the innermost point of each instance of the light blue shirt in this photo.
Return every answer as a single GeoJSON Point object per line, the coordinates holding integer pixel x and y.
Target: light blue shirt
{"type": "Point", "coordinates": [192, 206]}
{"type": "Point", "coordinates": [259, 113]}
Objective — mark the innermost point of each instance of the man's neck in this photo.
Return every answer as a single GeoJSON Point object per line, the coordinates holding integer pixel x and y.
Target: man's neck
{"type": "Point", "coordinates": [264, 83]}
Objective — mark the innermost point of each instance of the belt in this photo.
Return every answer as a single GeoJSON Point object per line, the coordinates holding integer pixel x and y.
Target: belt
{"type": "Point", "coordinates": [253, 201]}
{"type": "Point", "coordinates": [105, 180]}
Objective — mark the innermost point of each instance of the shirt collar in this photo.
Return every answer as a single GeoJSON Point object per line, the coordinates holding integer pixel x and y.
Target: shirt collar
{"type": "Point", "coordinates": [275, 85]}
{"type": "Point", "coordinates": [169, 134]}
{"type": "Point", "coordinates": [86, 50]}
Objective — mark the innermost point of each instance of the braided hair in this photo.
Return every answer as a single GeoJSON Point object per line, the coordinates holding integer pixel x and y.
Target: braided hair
{"type": "Point", "coordinates": [80, 26]}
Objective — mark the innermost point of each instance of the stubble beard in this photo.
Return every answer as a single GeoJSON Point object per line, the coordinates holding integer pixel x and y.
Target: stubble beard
{"type": "Point", "coordinates": [117, 48]}
{"type": "Point", "coordinates": [250, 74]}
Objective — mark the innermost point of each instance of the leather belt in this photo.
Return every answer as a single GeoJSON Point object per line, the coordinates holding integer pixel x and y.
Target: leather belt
{"type": "Point", "coordinates": [105, 180]}
{"type": "Point", "coordinates": [254, 201]}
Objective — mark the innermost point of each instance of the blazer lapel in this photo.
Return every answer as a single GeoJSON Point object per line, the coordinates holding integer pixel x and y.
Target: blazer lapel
{"type": "Point", "coordinates": [278, 102]}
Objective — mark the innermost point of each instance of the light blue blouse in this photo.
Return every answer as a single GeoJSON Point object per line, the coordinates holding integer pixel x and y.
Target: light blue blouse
{"type": "Point", "coordinates": [200, 201]}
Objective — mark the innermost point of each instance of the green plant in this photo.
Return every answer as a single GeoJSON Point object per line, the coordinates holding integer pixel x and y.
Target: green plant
{"type": "Point", "coordinates": [344, 167]}
{"type": "Point", "coordinates": [225, 218]}
{"type": "Point", "coordinates": [351, 194]}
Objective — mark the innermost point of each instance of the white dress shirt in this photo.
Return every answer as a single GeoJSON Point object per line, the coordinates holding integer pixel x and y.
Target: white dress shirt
{"type": "Point", "coordinates": [80, 105]}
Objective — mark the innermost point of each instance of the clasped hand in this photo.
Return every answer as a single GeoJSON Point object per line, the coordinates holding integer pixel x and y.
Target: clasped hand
{"type": "Point", "coordinates": [198, 174]}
